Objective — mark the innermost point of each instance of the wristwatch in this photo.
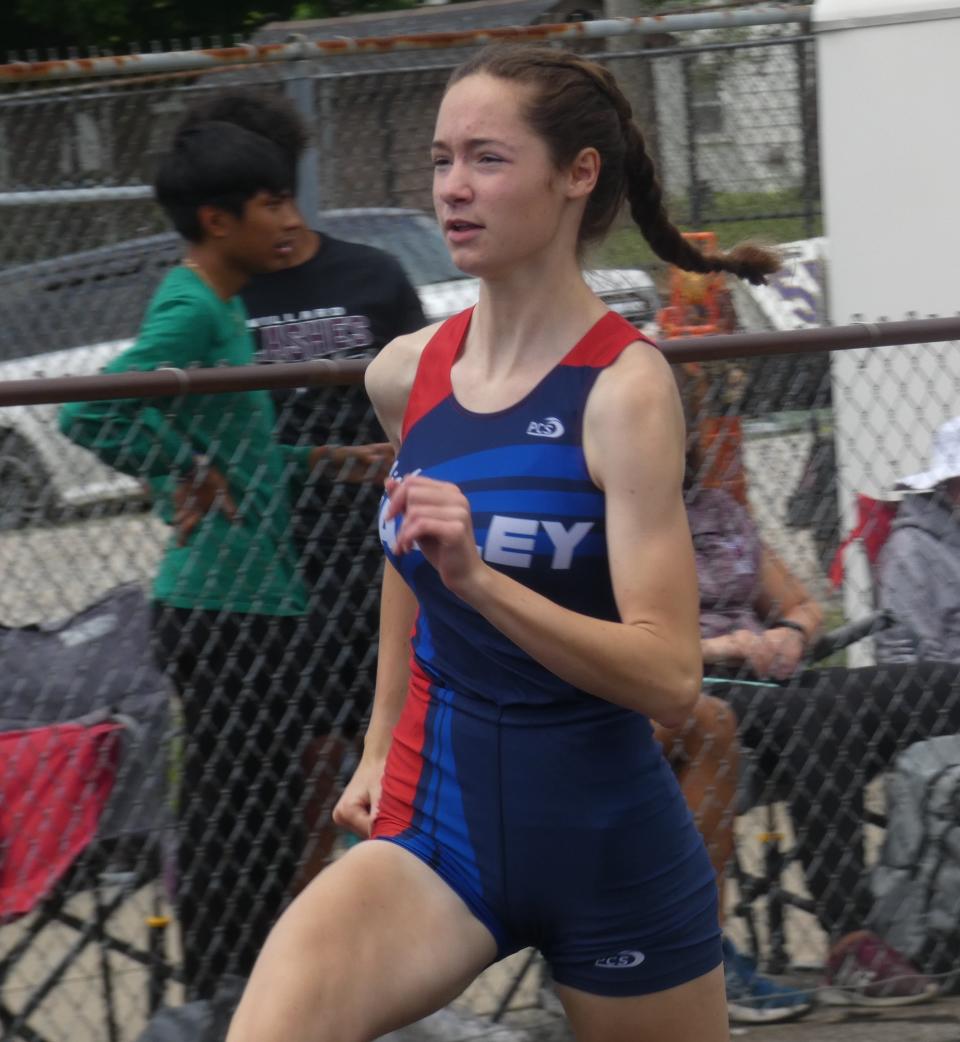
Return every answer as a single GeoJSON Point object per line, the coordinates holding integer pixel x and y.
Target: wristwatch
{"type": "Point", "coordinates": [789, 624]}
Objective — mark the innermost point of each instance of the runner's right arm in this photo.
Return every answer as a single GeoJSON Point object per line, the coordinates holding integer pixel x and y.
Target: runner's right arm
{"type": "Point", "coordinates": [388, 381]}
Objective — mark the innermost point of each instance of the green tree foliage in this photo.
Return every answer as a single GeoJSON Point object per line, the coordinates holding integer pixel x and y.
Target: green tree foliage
{"type": "Point", "coordinates": [337, 8]}
{"type": "Point", "coordinates": [115, 24]}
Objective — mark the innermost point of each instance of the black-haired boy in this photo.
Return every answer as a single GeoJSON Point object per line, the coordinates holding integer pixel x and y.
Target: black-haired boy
{"type": "Point", "coordinates": [228, 597]}
{"type": "Point", "coordinates": [333, 299]}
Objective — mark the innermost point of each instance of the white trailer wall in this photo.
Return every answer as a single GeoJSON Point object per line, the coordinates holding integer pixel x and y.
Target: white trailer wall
{"type": "Point", "coordinates": [889, 84]}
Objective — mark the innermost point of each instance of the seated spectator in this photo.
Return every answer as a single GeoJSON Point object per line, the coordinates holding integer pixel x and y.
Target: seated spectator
{"type": "Point", "coordinates": [919, 568]}
{"type": "Point", "coordinates": [818, 735]}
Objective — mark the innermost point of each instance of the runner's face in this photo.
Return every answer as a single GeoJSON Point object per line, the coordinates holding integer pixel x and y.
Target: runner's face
{"type": "Point", "coordinates": [262, 239]}
{"type": "Point", "coordinates": [497, 194]}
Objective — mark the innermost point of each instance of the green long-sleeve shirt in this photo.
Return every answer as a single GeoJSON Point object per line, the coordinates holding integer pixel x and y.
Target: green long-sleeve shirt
{"type": "Point", "coordinates": [247, 565]}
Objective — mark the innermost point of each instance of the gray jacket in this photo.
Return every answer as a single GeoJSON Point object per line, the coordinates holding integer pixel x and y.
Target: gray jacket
{"type": "Point", "coordinates": [919, 582]}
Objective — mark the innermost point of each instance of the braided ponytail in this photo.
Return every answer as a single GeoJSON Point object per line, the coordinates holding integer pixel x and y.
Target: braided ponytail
{"type": "Point", "coordinates": [645, 197]}
{"type": "Point", "coordinates": [577, 104]}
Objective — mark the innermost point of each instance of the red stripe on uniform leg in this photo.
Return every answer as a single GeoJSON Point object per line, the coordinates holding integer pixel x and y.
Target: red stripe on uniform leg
{"type": "Point", "coordinates": [405, 763]}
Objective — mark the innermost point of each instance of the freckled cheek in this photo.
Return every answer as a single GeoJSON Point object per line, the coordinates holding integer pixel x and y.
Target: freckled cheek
{"type": "Point", "coordinates": [516, 208]}
{"type": "Point", "coordinates": [538, 222]}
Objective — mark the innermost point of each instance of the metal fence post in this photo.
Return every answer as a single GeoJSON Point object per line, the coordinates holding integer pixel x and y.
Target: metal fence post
{"type": "Point", "coordinates": [808, 138]}
{"type": "Point", "coordinates": [693, 172]}
{"type": "Point", "coordinates": [299, 88]}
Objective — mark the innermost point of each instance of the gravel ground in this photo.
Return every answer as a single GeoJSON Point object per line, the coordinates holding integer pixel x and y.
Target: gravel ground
{"type": "Point", "coordinates": [51, 572]}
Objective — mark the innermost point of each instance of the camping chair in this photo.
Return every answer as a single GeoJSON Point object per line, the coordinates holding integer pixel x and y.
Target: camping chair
{"type": "Point", "coordinates": [83, 730]}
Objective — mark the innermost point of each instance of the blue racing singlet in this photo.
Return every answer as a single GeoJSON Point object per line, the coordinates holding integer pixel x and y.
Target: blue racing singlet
{"type": "Point", "coordinates": [538, 517]}
{"type": "Point", "coordinates": [551, 812]}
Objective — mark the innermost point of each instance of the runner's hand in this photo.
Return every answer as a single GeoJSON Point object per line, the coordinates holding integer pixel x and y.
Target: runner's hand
{"type": "Point", "coordinates": [436, 516]}
{"type": "Point", "coordinates": [359, 805]}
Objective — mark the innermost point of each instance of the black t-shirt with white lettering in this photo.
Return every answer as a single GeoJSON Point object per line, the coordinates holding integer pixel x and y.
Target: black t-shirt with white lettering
{"type": "Point", "coordinates": [347, 301]}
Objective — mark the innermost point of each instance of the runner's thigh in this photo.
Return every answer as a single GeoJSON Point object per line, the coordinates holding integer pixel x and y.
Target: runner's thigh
{"type": "Point", "coordinates": [691, 1012]}
{"type": "Point", "coordinates": [375, 942]}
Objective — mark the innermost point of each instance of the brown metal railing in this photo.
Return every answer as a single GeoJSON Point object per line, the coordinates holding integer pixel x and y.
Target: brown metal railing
{"type": "Point", "coordinates": [171, 381]}
{"type": "Point", "coordinates": [250, 53]}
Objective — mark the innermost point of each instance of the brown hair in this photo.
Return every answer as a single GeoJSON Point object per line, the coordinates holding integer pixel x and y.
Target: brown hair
{"type": "Point", "coordinates": [577, 104]}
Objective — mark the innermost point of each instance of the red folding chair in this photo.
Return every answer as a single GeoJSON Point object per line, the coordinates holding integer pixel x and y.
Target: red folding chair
{"type": "Point", "coordinates": [54, 785]}
{"type": "Point", "coordinates": [85, 820]}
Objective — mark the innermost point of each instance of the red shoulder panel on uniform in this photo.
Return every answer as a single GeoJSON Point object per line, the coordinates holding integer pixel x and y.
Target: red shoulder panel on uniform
{"type": "Point", "coordinates": [604, 341]}
{"type": "Point", "coordinates": [432, 381]}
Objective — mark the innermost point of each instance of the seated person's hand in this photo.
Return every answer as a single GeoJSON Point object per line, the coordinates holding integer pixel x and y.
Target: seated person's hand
{"type": "Point", "coordinates": [785, 649]}
{"type": "Point", "coordinates": [773, 653]}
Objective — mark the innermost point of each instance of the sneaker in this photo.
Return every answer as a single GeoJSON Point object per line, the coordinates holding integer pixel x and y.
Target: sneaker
{"type": "Point", "coordinates": [754, 999]}
{"type": "Point", "coordinates": [863, 970]}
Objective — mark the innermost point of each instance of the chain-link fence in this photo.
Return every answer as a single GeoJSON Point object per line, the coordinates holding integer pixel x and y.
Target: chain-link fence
{"type": "Point", "coordinates": [729, 115]}
{"type": "Point", "coordinates": [807, 528]}
{"type": "Point", "coordinates": [172, 754]}
{"type": "Point", "coordinates": [166, 834]}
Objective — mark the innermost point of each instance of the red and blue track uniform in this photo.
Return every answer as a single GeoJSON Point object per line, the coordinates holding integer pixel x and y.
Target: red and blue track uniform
{"type": "Point", "coordinates": [552, 813]}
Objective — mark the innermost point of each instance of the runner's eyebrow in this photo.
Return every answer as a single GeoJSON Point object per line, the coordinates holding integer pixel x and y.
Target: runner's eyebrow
{"type": "Point", "coordinates": [474, 143]}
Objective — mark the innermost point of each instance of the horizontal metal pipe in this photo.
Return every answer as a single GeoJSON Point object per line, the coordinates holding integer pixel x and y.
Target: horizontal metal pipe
{"type": "Point", "coordinates": [813, 341]}
{"type": "Point", "coordinates": [66, 91]}
{"type": "Point", "coordinates": [241, 54]}
{"type": "Point", "coordinates": [122, 193]}
{"type": "Point", "coordinates": [172, 382]}
{"type": "Point", "coordinates": [166, 383]}
{"type": "Point", "coordinates": [53, 196]}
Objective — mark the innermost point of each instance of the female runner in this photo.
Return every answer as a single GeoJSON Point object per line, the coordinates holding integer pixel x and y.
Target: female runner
{"type": "Point", "coordinates": [540, 565]}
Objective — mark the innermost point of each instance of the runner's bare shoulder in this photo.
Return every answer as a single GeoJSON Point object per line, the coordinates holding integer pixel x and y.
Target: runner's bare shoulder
{"type": "Point", "coordinates": [389, 378]}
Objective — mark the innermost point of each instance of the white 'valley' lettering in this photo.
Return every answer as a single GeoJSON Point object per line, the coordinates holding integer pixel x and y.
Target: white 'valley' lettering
{"type": "Point", "coordinates": [510, 541]}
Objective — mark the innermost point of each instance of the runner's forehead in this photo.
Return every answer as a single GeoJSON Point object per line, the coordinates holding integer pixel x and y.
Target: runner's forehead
{"type": "Point", "coordinates": [480, 108]}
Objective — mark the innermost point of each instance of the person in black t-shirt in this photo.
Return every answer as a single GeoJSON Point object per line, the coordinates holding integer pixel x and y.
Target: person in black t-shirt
{"type": "Point", "coordinates": [335, 300]}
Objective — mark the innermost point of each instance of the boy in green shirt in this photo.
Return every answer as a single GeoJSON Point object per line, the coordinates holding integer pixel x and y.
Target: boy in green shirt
{"type": "Point", "coordinates": [228, 599]}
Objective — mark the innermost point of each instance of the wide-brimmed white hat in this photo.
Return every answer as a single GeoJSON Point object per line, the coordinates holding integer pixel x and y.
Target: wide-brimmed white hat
{"type": "Point", "coordinates": [944, 460]}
